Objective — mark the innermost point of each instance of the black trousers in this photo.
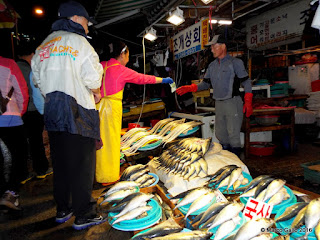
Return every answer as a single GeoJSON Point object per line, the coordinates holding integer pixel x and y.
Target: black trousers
{"type": "Point", "coordinates": [16, 142]}
{"type": "Point", "coordinates": [73, 159]}
{"type": "Point", "coordinates": [34, 124]}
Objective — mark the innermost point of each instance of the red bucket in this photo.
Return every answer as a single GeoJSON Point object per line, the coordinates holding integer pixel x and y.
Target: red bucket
{"type": "Point", "coordinates": [261, 148]}
{"type": "Point", "coordinates": [133, 125]}
{"type": "Point", "coordinates": [315, 86]}
{"type": "Point", "coordinates": [154, 122]}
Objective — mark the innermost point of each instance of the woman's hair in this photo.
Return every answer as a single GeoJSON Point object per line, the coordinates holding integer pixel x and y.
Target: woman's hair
{"type": "Point", "coordinates": [118, 48]}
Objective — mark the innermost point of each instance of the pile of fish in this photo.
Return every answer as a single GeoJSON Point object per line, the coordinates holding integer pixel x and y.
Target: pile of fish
{"type": "Point", "coordinates": [126, 201]}
{"type": "Point", "coordinates": [224, 215]}
{"type": "Point", "coordinates": [181, 129]}
{"type": "Point", "coordinates": [139, 174]}
{"type": "Point", "coordinates": [265, 188]}
{"type": "Point", "coordinates": [185, 158]}
{"type": "Point", "coordinates": [198, 198]}
{"type": "Point", "coordinates": [165, 130]}
{"type": "Point", "coordinates": [307, 214]}
{"type": "Point", "coordinates": [227, 176]}
{"type": "Point", "coordinates": [159, 125]}
{"type": "Point", "coordinates": [253, 230]}
{"type": "Point", "coordinates": [119, 191]}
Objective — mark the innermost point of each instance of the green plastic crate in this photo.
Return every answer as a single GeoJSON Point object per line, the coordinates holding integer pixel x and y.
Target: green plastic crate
{"type": "Point", "coordinates": [311, 175]}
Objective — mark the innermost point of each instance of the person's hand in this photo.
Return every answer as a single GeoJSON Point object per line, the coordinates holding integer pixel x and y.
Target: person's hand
{"type": "Point", "coordinates": [247, 106]}
{"type": "Point", "coordinates": [97, 97]}
{"type": "Point", "coordinates": [167, 80]}
{"type": "Point", "coordinates": [188, 88]}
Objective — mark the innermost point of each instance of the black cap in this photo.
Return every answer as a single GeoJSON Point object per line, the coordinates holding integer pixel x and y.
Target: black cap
{"type": "Point", "coordinates": [71, 8]}
{"type": "Point", "coordinates": [217, 39]}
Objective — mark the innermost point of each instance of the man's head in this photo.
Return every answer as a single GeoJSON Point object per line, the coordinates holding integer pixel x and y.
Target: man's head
{"type": "Point", "coordinates": [25, 50]}
{"type": "Point", "coordinates": [218, 46]}
{"type": "Point", "coordinates": [77, 13]}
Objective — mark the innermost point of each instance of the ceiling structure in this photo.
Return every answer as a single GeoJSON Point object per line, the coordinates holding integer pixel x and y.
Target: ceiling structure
{"type": "Point", "coordinates": [128, 19]}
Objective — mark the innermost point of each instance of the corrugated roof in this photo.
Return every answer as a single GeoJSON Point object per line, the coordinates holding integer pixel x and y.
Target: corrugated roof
{"type": "Point", "coordinates": [108, 9]}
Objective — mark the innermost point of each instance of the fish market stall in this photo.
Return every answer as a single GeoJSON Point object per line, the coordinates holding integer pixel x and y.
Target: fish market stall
{"type": "Point", "coordinates": [193, 189]}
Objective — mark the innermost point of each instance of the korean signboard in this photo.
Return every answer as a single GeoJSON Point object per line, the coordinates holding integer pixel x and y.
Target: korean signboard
{"type": "Point", "coordinates": [190, 40]}
{"type": "Point", "coordinates": [255, 209]}
{"type": "Point", "coordinates": [283, 25]}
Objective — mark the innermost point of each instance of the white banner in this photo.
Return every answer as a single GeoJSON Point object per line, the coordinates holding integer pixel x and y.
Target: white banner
{"type": "Point", "coordinates": [190, 40]}
{"type": "Point", "coordinates": [283, 25]}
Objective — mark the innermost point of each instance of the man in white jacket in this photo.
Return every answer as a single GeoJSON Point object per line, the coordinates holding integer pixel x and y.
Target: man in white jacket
{"type": "Point", "coordinates": [68, 72]}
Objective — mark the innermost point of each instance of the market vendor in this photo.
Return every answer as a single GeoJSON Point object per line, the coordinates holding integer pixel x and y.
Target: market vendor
{"type": "Point", "coordinates": [116, 75]}
{"type": "Point", "coordinates": [225, 74]}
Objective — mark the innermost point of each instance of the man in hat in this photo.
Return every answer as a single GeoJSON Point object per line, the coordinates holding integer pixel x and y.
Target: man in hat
{"type": "Point", "coordinates": [225, 74]}
{"type": "Point", "coordinates": [68, 72]}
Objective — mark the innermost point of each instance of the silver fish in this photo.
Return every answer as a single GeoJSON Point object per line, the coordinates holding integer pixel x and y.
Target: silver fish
{"type": "Point", "coordinates": [119, 195]}
{"type": "Point", "coordinates": [202, 201]}
{"type": "Point", "coordinates": [312, 216]}
{"type": "Point", "coordinates": [278, 197]}
{"type": "Point", "coordinates": [132, 214]}
{"type": "Point", "coordinates": [131, 170]}
{"type": "Point", "coordinates": [234, 176]}
{"type": "Point", "coordinates": [273, 188]}
{"type": "Point", "coordinates": [253, 183]}
{"type": "Point", "coordinates": [212, 210]}
{"type": "Point", "coordinates": [121, 186]}
{"type": "Point", "coordinates": [226, 228]}
{"type": "Point", "coordinates": [192, 196]}
{"type": "Point", "coordinates": [290, 212]}
{"type": "Point", "coordinates": [148, 183]}
{"type": "Point", "coordinates": [135, 202]}
{"type": "Point", "coordinates": [227, 213]}
{"type": "Point", "coordinates": [299, 219]}
{"type": "Point", "coordinates": [162, 229]}
{"type": "Point", "coordinates": [135, 176]}
{"type": "Point", "coordinates": [252, 228]}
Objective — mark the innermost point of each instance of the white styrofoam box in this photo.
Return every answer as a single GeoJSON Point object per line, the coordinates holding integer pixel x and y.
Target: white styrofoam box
{"type": "Point", "coordinates": [208, 128]}
{"type": "Point", "coordinates": [301, 76]}
{"type": "Point", "coordinates": [304, 116]}
{"type": "Point", "coordinates": [257, 137]}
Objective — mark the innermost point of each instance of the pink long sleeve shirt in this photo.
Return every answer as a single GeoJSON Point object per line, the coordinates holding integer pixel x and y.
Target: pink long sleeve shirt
{"type": "Point", "coordinates": [117, 76]}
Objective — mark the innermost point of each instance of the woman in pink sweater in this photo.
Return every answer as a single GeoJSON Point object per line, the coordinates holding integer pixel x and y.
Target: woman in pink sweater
{"type": "Point", "coordinates": [116, 75]}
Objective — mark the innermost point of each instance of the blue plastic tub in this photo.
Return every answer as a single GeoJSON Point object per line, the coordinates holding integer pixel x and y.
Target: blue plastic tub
{"type": "Point", "coordinates": [152, 218]}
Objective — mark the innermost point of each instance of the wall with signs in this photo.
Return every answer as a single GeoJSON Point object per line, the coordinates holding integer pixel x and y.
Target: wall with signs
{"type": "Point", "coordinates": [190, 40]}
{"type": "Point", "coordinates": [283, 25]}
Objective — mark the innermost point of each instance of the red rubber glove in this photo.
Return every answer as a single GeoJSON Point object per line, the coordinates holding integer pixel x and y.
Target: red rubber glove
{"type": "Point", "coordinates": [188, 88]}
{"type": "Point", "coordinates": [247, 107]}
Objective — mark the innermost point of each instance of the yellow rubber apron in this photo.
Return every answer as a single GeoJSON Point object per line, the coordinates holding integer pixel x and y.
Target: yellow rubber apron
{"type": "Point", "coordinates": [108, 157]}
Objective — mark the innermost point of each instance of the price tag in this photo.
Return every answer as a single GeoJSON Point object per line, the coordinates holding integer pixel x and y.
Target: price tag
{"type": "Point", "coordinates": [255, 209]}
{"type": "Point", "coordinates": [220, 197]}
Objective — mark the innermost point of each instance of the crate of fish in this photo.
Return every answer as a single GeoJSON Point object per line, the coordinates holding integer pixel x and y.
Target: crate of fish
{"type": "Point", "coordinates": [311, 171]}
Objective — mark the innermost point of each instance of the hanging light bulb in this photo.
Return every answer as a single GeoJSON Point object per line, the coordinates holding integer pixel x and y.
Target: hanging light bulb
{"type": "Point", "coordinates": [206, 1]}
{"type": "Point", "coordinates": [151, 34]}
{"type": "Point", "coordinates": [176, 17]}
